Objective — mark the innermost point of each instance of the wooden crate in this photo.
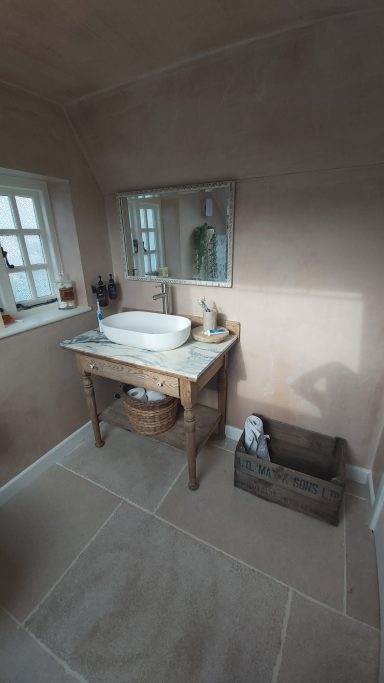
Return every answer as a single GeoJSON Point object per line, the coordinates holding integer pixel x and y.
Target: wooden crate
{"type": "Point", "coordinates": [306, 472]}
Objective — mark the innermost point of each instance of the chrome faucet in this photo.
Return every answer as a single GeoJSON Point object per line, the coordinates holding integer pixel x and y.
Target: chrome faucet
{"type": "Point", "coordinates": [162, 295]}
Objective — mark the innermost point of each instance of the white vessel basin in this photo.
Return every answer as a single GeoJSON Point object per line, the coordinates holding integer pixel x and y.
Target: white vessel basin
{"type": "Point", "coordinates": [152, 331]}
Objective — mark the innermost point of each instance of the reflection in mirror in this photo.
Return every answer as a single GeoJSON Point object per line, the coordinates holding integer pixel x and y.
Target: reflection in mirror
{"type": "Point", "coordinates": [179, 234]}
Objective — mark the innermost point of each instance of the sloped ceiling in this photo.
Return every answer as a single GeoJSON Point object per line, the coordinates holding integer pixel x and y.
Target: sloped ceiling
{"type": "Point", "coordinates": [66, 50]}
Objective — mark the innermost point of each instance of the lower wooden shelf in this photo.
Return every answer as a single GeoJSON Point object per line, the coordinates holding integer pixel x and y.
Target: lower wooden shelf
{"type": "Point", "coordinates": [207, 420]}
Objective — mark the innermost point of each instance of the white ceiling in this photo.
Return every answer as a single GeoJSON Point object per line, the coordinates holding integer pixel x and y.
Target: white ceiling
{"type": "Point", "coordinates": [66, 50]}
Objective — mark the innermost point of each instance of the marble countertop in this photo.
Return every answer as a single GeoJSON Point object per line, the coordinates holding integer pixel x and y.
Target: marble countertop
{"type": "Point", "coordinates": [189, 360]}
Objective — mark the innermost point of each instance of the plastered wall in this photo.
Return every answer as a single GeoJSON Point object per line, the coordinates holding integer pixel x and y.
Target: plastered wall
{"type": "Point", "coordinates": [41, 399]}
{"type": "Point", "coordinates": [296, 120]}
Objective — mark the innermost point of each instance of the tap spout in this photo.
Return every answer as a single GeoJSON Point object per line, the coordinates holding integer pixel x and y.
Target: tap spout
{"type": "Point", "coordinates": [162, 295]}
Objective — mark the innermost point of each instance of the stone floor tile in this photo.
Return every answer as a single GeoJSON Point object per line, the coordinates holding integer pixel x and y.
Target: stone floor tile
{"type": "Point", "coordinates": [42, 529]}
{"type": "Point", "coordinates": [23, 660]}
{"type": "Point", "coordinates": [362, 584]}
{"type": "Point", "coordinates": [147, 603]}
{"type": "Point", "coordinates": [305, 553]}
{"type": "Point", "coordinates": [130, 465]}
{"type": "Point", "coordinates": [324, 647]}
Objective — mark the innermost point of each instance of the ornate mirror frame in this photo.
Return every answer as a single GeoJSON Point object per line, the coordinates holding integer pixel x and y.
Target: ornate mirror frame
{"type": "Point", "coordinates": [183, 189]}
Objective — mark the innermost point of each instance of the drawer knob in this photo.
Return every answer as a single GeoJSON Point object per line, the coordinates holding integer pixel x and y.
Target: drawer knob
{"type": "Point", "coordinates": [159, 383]}
{"type": "Point", "coordinates": [92, 366]}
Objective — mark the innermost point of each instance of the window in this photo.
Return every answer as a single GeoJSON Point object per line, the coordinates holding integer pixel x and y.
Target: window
{"type": "Point", "coordinates": [147, 244]}
{"type": "Point", "coordinates": [28, 272]}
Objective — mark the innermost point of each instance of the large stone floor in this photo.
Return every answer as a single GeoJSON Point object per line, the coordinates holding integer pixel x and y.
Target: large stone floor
{"type": "Point", "coordinates": [113, 571]}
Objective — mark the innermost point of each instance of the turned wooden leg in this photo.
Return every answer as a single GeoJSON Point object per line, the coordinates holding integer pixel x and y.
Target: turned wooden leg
{"type": "Point", "coordinates": [188, 393]}
{"type": "Point", "coordinates": [222, 398]}
{"type": "Point", "coordinates": [190, 440]}
{"type": "Point", "coordinates": [91, 405]}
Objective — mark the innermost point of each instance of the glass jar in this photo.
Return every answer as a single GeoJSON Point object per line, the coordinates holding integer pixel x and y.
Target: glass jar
{"type": "Point", "coordinates": [65, 293]}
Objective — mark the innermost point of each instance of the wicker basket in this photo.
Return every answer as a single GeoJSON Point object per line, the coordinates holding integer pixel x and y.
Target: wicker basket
{"type": "Point", "coordinates": [150, 417]}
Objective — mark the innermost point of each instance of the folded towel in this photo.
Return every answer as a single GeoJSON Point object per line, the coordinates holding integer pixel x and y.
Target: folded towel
{"type": "Point", "coordinates": [155, 395]}
{"type": "Point", "coordinates": [255, 440]}
{"type": "Point", "coordinates": [138, 392]}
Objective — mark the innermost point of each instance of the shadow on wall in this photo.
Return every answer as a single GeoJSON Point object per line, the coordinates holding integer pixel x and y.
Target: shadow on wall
{"type": "Point", "coordinates": [326, 384]}
{"type": "Point", "coordinates": [329, 386]}
{"type": "Point", "coordinates": [341, 396]}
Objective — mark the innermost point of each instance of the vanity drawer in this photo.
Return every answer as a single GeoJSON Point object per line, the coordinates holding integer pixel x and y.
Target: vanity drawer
{"type": "Point", "coordinates": [139, 377]}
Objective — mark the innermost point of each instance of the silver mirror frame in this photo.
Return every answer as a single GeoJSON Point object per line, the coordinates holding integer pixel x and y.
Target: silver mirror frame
{"type": "Point", "coordinates": [230, 184]}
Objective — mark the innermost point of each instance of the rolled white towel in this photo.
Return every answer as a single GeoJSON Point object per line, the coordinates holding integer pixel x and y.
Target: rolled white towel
{"type": "Point", "coordinates": [155, 395]}
{"type": "Point", "coordinates": [255, 440]}
{"type": "Point", "coordinates": [138, 392]}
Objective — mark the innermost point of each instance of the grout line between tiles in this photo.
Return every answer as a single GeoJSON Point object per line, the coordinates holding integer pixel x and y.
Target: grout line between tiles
{"type": "Point", "coordinates": [104, 488]}
{"type": "Point", "coordinates": [233, 557]}
{"type": "Point", "coordinates": [345, 558]}
{"type": "Point", "coordinates": [85, 547]}
{"type": "Point", "coordinates": [268, 576]}
{"type": "Point", "coordinates": [170, 488]}
{"type": "Point", "coordinates": [199, 540]}
{"type": "Point", "coordinates": [283, 635]}
{"type": "Point", "coordinates": [61, 662]}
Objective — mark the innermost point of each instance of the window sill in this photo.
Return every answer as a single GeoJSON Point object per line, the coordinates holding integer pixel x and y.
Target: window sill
{"type": "Point", "coordinates": [29, 320]}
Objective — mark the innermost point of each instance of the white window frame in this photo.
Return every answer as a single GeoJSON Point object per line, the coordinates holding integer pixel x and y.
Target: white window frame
{"type": "Point", "coordinates": [38, 191]}
{"type": "Point", "coordinates": [134, 207]}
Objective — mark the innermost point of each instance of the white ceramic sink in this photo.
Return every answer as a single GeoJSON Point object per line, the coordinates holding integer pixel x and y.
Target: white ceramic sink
{"type": "Point", "coordinates": [144, 330]}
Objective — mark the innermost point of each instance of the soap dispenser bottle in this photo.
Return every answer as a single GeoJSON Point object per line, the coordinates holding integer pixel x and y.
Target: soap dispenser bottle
{"type": "Point", "coordinates": [102, 292]}
{"type": "Point", "coordinates": [112, 289]}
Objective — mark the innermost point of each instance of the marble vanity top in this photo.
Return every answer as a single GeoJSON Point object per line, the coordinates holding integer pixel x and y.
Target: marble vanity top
{"type": "Point", "coordinates": [189, 360]}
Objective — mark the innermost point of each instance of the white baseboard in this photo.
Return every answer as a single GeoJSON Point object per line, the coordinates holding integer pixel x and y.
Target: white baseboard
{"type": "Point", "coordinates": [233, 432]}
{"type": "Point", "coordinates": [362, 475]}
{"type": "Point", "coordinates": [372, 496]}
{"type": "Point", "coordinates": [56, 454]}
{"type": "Point", "coordinates": [358, 474]}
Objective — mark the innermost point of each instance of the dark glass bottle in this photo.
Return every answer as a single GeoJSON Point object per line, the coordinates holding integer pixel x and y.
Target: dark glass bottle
{"type": "Point", "coordinates": [112, 289]}
{"type": "Point", "coordinates": [102, 292]}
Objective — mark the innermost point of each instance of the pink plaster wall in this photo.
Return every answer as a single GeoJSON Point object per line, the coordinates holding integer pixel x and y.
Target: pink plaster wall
{"type": "Point", "coordinates": [279, 116]}
{"type": "Point", "coordinates": [37, 138]}
{"type": "Point", "coordinates": [41, 399]}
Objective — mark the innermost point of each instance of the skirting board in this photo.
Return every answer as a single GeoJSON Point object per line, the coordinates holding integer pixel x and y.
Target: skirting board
{"type": "Point", "coordinates": [358, 474]}
{"type": "Point", "coordinates": [362, 475]}
{"type": "Point", "coordinates": [56, 454]}
{"type": "Point", "coordinates": [233, 432]}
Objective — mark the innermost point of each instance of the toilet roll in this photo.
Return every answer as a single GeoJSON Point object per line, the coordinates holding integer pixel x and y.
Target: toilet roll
{"type": "Point", "coordinates": [138, 392]}
{"type": "Point", "coordinates": [155, 395]}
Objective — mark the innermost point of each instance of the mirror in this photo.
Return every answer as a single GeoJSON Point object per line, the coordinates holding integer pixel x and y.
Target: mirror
{"type": "Point", "coordinates": [179, 234]}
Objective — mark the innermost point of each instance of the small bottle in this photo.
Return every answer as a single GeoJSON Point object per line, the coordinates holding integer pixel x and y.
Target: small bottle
{"type": "Point", "coordinates": [112, 289]}
{"type": "Point", "coordinates": [65, 292]}
{"type": "Point", "coordinates": [102, 292]}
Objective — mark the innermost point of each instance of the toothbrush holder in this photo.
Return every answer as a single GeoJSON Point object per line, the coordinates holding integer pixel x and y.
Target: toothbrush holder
{"type": "Point", "coordinates": [209, 320]}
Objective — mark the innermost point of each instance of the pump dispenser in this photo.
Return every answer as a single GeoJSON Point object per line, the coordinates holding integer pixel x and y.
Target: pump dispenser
{"type": "Point", "coordinates": [102, 292]}
{"type": "Point", "coordinates": [112, 289]}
